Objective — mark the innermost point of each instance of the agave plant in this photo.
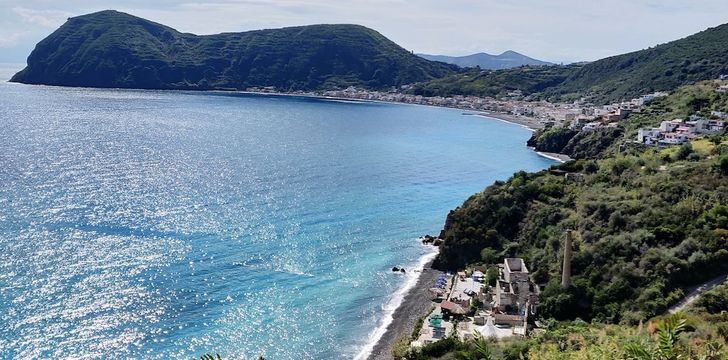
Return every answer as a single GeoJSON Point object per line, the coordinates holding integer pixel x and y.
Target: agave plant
{"type": "Point", "coordinates": [207, 356]}
{"type": "Point", "coordinates": [668, 336]}
{"type": "Point", "coordinates": [482, 349]}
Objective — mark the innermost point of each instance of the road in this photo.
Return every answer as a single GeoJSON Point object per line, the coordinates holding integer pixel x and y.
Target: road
{"type": "Point", "coordinates": [694, 292]}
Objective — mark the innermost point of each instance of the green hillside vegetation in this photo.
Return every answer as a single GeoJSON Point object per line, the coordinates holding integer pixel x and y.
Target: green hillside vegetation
{"type": "Point", "coordinates": [700, 332]}
{"type": "Point", "coordinates": [694, 335]}
{"type": "Point", "coordinates": [652, 222]}
{"type": "Point", "coordinates": [528, 79]}
{"type": "Point", "coordinates": [649, 226]}
{"type": "Point", "coordinates": [660, 68]}
{"type": "Point", "coordinates": [698, 99]}
{"type": "Point", "coordinates": [113, 49]}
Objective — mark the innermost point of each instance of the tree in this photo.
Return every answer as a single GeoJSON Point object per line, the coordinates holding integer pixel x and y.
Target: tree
{"type": "Point", "coordinates": [684, 151]}
{"type": "Point", "coordinates": [721, 165]}
{"type": "Point", "coordinates": [716, 139]}
{"type": "Point", "coordinates": [488, 256]}
{"type": "Point", "coordinates": [491, 276]}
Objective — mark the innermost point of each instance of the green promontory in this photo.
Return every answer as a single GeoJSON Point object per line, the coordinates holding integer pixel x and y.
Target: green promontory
{"type": "Point", "coordinates": [114, 49]}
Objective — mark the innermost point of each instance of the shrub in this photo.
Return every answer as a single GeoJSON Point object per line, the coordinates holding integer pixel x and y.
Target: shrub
{"type": "Point", "coordinates": [684, 151]}
{"type": "Point", "coordinates": [721, 165]}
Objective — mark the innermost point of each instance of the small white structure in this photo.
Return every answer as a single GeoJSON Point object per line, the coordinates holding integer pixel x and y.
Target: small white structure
{"type": "Point", "coordinates": [591, 126]}
{"type": "Point", "coordinates": [649, 136]}
{"type": "Point", "coordinates": [719, 114]}
{"type": "Point", "coordinates": [670, 126]}
{"type": "Point", "coordinates": [713, 126]}
{"type": "Point", "coordinates": [674, 139]}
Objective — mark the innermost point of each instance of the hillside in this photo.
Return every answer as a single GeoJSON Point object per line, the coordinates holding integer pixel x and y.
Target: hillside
{"type": "Point", "coordinates": [698, 334]}
{"type": "Point", "coordinates": [506, 60]}
{"type": "Point", "coordinates": [649, 224]}
{"type": "Point", "coordinates": [528, 79]}
{"type": "Point", "coordinates": [114, 49]}
{"type": "Point", "coordinates": [661, 68]}
{"type": "Point", "coordinates": [697, 99]}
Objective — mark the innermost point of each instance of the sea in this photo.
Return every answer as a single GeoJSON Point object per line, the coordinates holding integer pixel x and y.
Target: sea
{"type": "Point", "coordinates": [169, 224]}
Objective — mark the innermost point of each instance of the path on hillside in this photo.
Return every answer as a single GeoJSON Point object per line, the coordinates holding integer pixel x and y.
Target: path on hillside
{"type": "Point", "coordinates": [694, 292]}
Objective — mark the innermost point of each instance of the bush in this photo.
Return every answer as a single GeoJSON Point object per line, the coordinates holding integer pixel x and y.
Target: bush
{"type": "Point", "coordinates": [716, 139]}
{"type": "Point", "coordinates": [684, 151]}
{"type": "Point", "coordinates": [591, 167]}
{"type": "Point", "coordinates": [721, 165]}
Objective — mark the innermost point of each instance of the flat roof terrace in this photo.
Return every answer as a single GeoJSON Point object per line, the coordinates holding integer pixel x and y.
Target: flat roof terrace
{"type": "Point", "coordinates": [516, 265]}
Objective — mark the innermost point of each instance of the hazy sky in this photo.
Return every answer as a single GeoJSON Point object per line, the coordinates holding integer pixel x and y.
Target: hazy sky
{"type": "Point", "coordinates": [555, 30]}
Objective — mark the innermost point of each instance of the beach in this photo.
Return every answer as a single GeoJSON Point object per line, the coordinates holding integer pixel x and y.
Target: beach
{"type": "Point", "coordinates": [418, 300]}
{"type": "Point", "coordinates": [416, 304]}
{"type": "Point", "coordinates": [530, 123]}
{"type": "Point", "coordinates": [555, 156]}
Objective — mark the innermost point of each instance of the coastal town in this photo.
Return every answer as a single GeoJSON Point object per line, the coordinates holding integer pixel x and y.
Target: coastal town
{"type": "Point", "coordinates": [579, 115]}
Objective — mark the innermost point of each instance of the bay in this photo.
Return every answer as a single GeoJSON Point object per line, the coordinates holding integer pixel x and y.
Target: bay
{"type": "Point", "coordinates": [152, 224]}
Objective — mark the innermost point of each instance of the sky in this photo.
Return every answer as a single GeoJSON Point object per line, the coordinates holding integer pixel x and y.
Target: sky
{"type": "Point", "coordinates": [553, 30]}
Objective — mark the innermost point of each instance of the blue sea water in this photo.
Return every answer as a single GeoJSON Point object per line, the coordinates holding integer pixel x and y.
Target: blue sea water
{"type": "Point", "coordinates": [151, 224]}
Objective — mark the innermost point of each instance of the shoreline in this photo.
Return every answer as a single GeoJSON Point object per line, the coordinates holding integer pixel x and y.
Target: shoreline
{"type": "Point", "coordinates": [401, 310]}
{"type": "Point", "coordinates": [529, 123]}
{"type": "Point", "coordinates": [554, 156]}
{"type": "Point", "coordinates": [413, 303]}
{"type": "Point", "coordinates": [524, 121]}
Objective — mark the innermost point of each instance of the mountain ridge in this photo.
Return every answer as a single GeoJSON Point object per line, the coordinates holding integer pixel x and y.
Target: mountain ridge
{"type": "Point", "coordinates": [115, 49]}
{"type": "Point", "coordinates": [506, 60]}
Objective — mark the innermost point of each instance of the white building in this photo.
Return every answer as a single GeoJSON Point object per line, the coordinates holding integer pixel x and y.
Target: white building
{"type": "Point", "coordinates": [713, 126]}
{"type": "Point", "coordinates": [649, 136]}
{"type": "Point", "coordinates": [719, 114]}
{"type": "Point", "coordinates": [670, 126]}
{"type": "Point", "coordinates": [674, 138]}
{"type": "Point", "coordinates": [591, 126]}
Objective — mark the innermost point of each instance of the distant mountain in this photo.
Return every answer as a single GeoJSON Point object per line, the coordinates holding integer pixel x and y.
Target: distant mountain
{"type": "Point", "coordinates": [506, 60]}
{"type": "Point", "coordinates": [114, 49]}
{"type": "Point", "coordinates": [664, 67]}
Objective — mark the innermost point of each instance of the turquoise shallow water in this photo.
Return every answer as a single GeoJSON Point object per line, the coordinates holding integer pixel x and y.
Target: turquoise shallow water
{"type": "Point", "coordinates": [154, 224]}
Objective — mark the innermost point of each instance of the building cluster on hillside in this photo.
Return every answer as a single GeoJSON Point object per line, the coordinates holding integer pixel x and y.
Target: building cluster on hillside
{"type": "Point", "coordinates": [466, 304]}
{"type": "Point", "coordinates": [578, 115]}
{"type": "Point", "coordinates": [543, 111]}
{"type": "Point", "coordinates": [593, 118]}
{"type": "Point", "coordinates": [679, 131]}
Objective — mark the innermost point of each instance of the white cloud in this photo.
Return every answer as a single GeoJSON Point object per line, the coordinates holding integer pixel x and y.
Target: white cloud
{"type": "Point", "coordinates": [562, 30]}
{"type": "Point", "coordinates": [45, 18]}
{"type": "Point", "coordinates": [12, 39]}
